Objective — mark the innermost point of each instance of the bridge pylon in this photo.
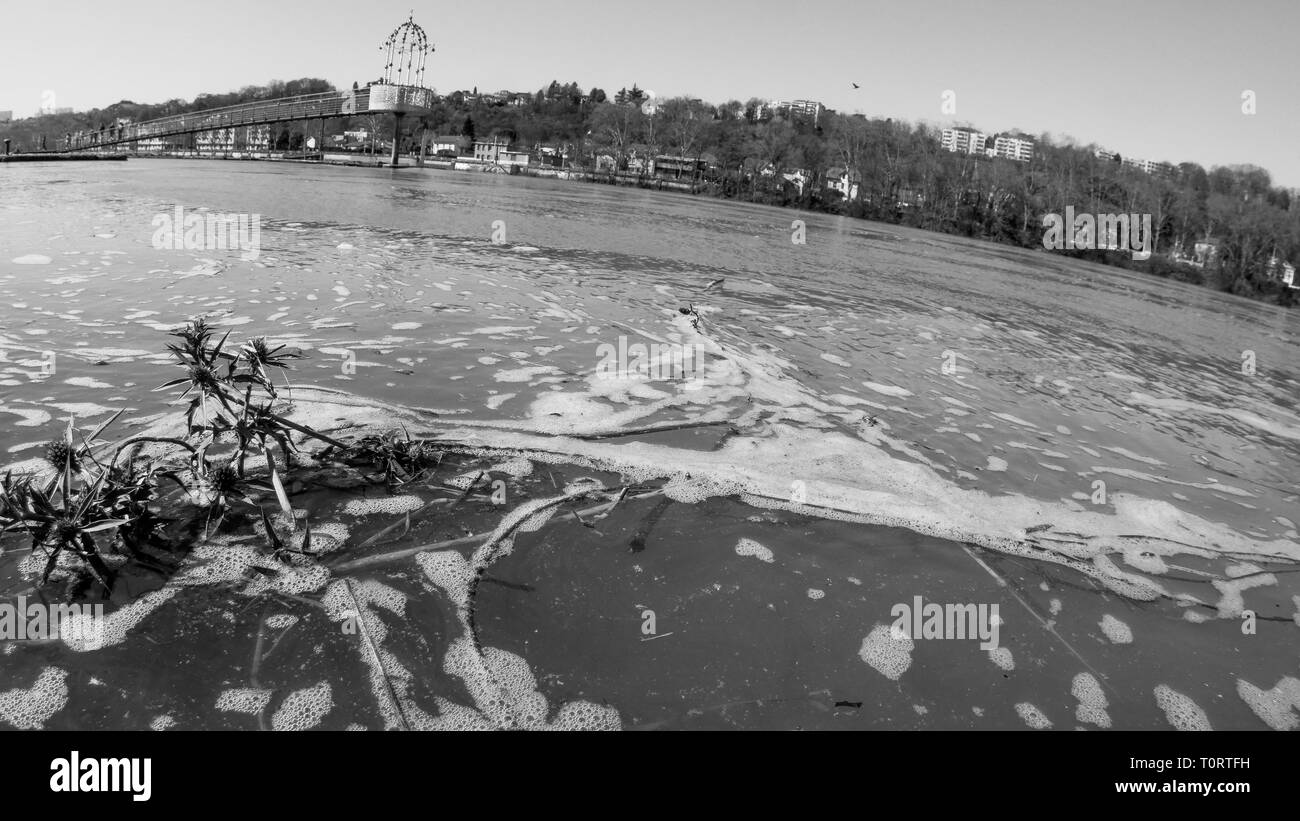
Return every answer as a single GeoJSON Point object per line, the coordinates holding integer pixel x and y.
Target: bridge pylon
{"type": "Point", "coordinates": [403, 91]}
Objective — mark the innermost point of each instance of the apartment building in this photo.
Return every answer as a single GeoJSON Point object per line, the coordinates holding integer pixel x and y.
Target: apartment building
{"type": "Point", "coordinates": [964, 141]}
{"type": "Point", "coordinates": [1014, 147]}
{"type": "Point", "coordinates": [796, 108]}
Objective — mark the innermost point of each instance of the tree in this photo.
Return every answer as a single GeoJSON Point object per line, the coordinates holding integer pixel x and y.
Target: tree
{"type": "Point", "coordinates": [467, 128]}
{"type": "Point", "coordinates": [616, 126]}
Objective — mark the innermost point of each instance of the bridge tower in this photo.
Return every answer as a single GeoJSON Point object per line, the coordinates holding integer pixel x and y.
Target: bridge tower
{"type": "Point", "coordinates": [403, 91]}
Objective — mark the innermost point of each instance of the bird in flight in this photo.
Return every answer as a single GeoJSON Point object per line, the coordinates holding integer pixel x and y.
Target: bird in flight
{"type": "Point", "coordinates": [855, 85]}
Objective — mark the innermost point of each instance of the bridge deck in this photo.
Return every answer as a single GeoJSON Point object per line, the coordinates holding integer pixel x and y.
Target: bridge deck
{"type": "Point", "coordinates": [260, 112]}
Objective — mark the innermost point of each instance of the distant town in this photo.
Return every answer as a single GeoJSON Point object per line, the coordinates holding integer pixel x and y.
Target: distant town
{"type": "Point", "coordinates": [1227, 228]}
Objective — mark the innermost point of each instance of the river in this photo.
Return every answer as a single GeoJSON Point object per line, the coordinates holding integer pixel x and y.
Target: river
{"type": "Point", "coordinates": [879, 414]}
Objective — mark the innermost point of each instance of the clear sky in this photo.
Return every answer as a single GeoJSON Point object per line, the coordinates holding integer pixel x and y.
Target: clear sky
{"type": "Point", "coordinates": [1155, 79]}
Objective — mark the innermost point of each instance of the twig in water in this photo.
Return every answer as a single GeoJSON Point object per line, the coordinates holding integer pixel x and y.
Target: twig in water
{"type": "Point", "coordinates": [395, 703]}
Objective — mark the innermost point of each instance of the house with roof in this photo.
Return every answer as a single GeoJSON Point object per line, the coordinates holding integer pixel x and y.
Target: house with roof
{"type": "Point", "coordinates": [448, 145]}
{"type": "Point", "coordinates": [847, 183]}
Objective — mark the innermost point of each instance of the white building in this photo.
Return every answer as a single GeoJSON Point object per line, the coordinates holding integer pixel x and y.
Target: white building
{"type": "Point", "coordinates": [802, 108]}
{"type": "Point", "coordinates": [1014, 147]}
{"type": "Point", "coordinates": [964, 140]}
{"type": "Point", "coordinates": [240, 138]}
{"type": "Point", "coordinates": [844, 181]}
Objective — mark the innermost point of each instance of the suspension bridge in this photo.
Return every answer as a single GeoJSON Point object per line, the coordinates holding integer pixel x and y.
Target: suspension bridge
{"type": "Point", "coordinates": [401, 92]}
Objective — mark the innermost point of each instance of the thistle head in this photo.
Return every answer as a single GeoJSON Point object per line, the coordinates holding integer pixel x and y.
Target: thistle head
{"type": "Point", "coordinates": [60, 455]}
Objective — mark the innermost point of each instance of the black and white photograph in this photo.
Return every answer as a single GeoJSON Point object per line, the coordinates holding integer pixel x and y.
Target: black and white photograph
{"type": "Point", "coordinates": [728, 367]}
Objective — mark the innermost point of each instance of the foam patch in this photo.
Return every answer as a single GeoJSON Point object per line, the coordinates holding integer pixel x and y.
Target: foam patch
{"type": "Point", "coordinates": [887, 653]}
{"type": "Point", "coordinates": [29, 709]}
{"type": "Point", "coordinates": [1032, 716]}
{"type": "Point", "coordinates": [1181, 712]}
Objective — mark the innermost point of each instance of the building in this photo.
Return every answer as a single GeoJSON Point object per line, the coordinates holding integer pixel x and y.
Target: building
{"type": "Point", "coordinates": [1014, 147]}
{"type": "Point", "coordinates": [1278, 270]}
{"type": "Point", "coordinates": [676, 168]}
{"type": "Point", "coordinates": [799, 178]}
{"type": "Point", "coordinates": [240, 138]}
{"type": "Point", "coordinates": [1149, 166]}
{"type": "Point", "coordinates": [964, 141]}
{"type": "Point", "coordinates": [846, 182]}
{"type": "Point", "coordinates": [794, 108]}
{"type": "Point", "coordinates": [498, 151]}
{"type": "Point", "coordinates": [490, 150]}
{"type": "Point", "coordinates": [452, 143]}
{"type": "Point", "coordinates": [153, 144]}
{"type": "Point", "coordinates": [554, 156]}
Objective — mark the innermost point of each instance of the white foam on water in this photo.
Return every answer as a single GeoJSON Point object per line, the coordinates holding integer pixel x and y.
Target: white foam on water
{"type": "Point", "coordinates": [1245, 417]}
{"type": "Point", "coordinates": [1128, 454]}
{"type": "Point", "coordinates": [887, 390]}
{"type": "Point", "coordinates": [243, 700]}
{"type": "Point", "coordinates": [1001, 656]}
{"type": "Point", "coordinates": [499, 330]}
{"type": "Point", "coordinates": [162, 722]}
{"type": "Point", "coordinates": [887, 652]}
{"type": "Point", "coordinates": [32, 417]}
{"type": "Point", "coordinates": [1117, 631]}
{"type": "Point", "coordinates": [32, 259]}
{"type": "Point", "coordinates": [749, 547]}
{"type": "Point", "coordinates": [1032, 716]}
{"type": "Point", "coordinates": [303, 709]}
{"type": "Point", "coordinates": [1180, 711]}
{"type": "Point", "coordinates": [1092, 700]}
{"type": "Point", "coordinates": [29, 709]}
{"type": "Point", "coordinates": [84, 633]}
{"type": "Point", "coordinates": [1015, 420]}
{"type": "Point", "coordinates": [1232, 599]}
{"type": "Point", "coordinates": [525, 374]}
{"type": "Point", "coordinates": [505, 693]}
{"type": "Point", "coordinates": [852, 478]}
{"type": "Point", "coordinates": [82, 410]}
{"type": "Point", "coordinates": [383, 504]}
{"type": "Point", "coordinates": [1278, 707]}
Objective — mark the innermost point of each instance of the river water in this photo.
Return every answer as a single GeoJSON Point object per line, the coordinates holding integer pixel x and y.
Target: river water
{"type": "Point", "coordinates": [878, 414]}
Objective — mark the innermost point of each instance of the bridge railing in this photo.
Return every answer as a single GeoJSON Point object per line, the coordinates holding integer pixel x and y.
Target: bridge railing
{"type": "Point", "coordinates": [258, 112]}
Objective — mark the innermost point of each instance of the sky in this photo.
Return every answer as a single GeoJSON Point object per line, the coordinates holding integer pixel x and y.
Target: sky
{"type": "Point", "coordinates": [1155, 79]}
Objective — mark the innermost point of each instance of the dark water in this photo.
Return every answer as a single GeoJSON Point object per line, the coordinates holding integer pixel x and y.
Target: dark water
{"type": "Point", "coordinates": [894, 394]}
